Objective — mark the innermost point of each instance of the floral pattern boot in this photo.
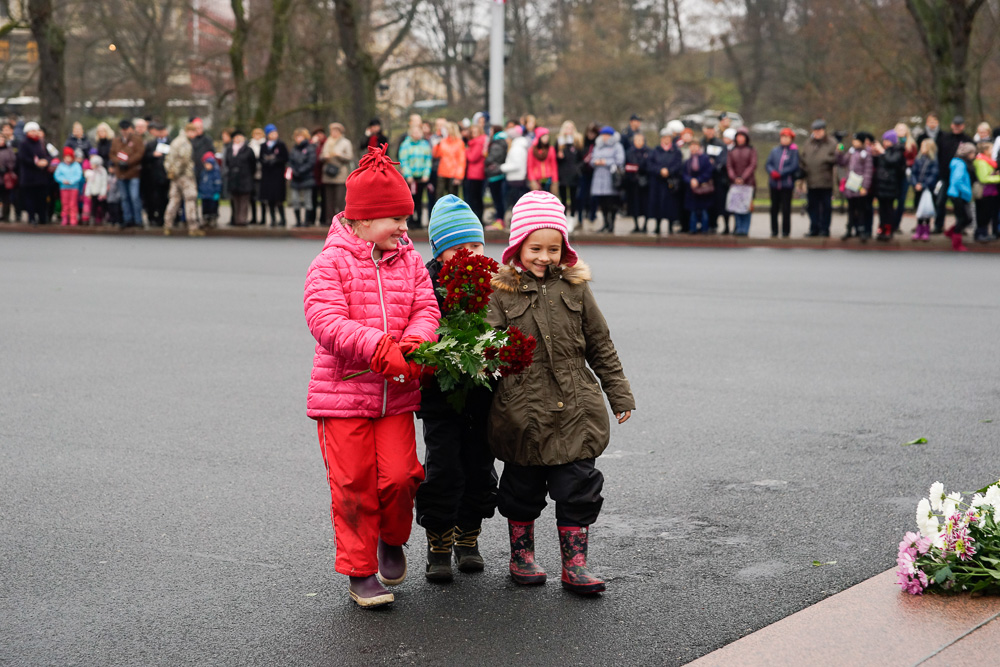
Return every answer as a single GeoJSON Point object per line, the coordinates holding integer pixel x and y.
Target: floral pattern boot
{"type": "Point", "coordinates": [575, 575]}
{"type": "Point", "coordinates": [523, 569]}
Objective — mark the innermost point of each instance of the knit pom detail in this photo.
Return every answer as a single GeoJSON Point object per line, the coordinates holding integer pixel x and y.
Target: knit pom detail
{"type": "Point", "coordinates": [376, 159]}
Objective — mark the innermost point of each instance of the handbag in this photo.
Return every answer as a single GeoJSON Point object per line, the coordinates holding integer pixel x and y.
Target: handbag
{"type": "Point", "coordinates": [977, 190]}
{"type": "Point", "coordinates": [616, 178]}
{"type": "Point", "coordinates": [706, 188]}
{"type": "Point", "coordinates": [855, 182]}
{"type": "Point", "coordinates": [925, 208]}
{"type": "Point", "coordinates": [331, 170]}
{"type": "Point", "coordinates": [739, 199]}
{"type": "Point", "coordinates": [9, 180]}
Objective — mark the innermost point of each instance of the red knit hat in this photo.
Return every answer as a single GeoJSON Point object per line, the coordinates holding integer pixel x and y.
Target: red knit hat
{"type": "Point", "coordinates": [376, 189]}
{"type": "Point", "coordinates": [69, 152]}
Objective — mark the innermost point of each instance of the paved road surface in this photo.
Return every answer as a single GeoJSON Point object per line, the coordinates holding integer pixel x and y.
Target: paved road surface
{"type": "Point", "coordinates": [164, 503]}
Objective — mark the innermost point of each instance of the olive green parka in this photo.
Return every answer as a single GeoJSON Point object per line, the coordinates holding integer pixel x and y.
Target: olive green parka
{"type": "Point", "coordinates": [554, 413]}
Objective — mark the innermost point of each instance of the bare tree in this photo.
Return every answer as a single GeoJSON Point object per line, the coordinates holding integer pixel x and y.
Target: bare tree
{"type": "Point", "coordinates": [51, 40]}
{"type": "Point", "coordinates": [945, 30]}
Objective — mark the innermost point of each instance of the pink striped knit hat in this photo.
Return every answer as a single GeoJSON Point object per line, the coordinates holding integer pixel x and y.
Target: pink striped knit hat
{"type": "Point", "coordinates": [538, 210]}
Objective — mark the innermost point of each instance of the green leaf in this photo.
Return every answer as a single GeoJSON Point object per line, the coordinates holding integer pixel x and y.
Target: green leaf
{"type": "Point", "coordinates": [985, 421]}
{"type": "Point", "coordinates": [918, 441]}
{"type": "Point", "coordinates": [942, 574]}
{"type": "Point", "coordinates": [817, 563]}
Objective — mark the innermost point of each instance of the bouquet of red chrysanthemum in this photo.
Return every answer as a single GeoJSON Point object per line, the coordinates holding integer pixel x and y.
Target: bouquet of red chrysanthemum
{"type": "Point", "coordinates": [469, 351]}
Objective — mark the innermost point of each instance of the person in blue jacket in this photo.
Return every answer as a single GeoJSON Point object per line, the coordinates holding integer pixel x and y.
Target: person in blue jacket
{"type": "Point", "coordinates": [960, 193]}
{"type": "Point", "coordinates": [209, 189]}
{"type": "Point", "coordinates": [781, 165]}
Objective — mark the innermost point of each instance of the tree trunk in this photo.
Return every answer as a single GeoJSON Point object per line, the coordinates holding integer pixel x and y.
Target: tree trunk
{"type": "Point", "coordinates": [237, 50]}
{"type": "Point", "coordinates": [51, 68]}
{"type": "Point", "coordinates": [272, 72]}
{"type": "Point", "coordinates": [359, 69]}
{"type": "Point", "coordinates": [945, 30]}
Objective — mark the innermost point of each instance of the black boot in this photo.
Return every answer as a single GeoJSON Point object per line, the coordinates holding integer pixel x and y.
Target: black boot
{"type": "Point", "coordinates": [439, 555]}
{"type": "Point", "coordinates": [281, 212]}
{"type": "Point", "coordinates": [467, 555]}
{"type": "Point", "coordinates": [298, 217]}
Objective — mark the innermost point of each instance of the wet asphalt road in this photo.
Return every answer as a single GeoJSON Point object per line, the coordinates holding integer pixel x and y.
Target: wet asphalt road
{"type": "Point", "coordinates": [163, 499]}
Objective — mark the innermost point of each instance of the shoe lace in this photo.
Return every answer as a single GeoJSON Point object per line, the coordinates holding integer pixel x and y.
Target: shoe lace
{"type": "Point", "coordinates": [440, 543]}
{"type": "Point", "coordinates": [467, 538]}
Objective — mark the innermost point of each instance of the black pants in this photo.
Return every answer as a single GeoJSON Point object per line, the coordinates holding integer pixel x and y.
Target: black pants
{"type": "Point", "coordinates": [986, 214]}
{"type": "Point", "coordinates": [858, 210]}
{"type": "Point", "coordinates": [474, 195]}
{"type": "Point", "coordinates": [567, 195]}
{"type": "Point", "coordinates": [718, 207]}
{"type": "Point", "coordinates": [417, 190]}
{"type": "Point", "coordinates": [34, 198]}
{"type": "Point", "coordinates": [781, 202]}
{"type": "Point", "coordinates": [886, 215]}
{"type": "Point", "coordinates": [460, 482]}
{"type": "Point", "coordinates": [941, 203]}
{"type": "Point", "coordinates": [963, 217]}
{"type": "Point", "coordinates": [819, 202]}
{"type": "Point", "coordinates": [575, 487]}
{"type": "Point", "coordinates": [499, 198]}
{"type": "Point", "coordinates": [609, 209]}
{"type": "Point", "coordinates": [156, 203]}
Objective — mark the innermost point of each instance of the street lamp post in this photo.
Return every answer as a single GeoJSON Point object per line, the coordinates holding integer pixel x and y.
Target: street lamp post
{"type": "Point", "coordinates": [501, 47]}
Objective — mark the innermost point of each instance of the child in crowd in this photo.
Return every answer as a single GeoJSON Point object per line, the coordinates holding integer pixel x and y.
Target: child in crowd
{"type": "Point", "coordinates": [989, 203]}
{"type": "Point", "coordinates": [209, 188]}
{"type": "Point", "coordinates": [114, 200]}
{"type": "Point", "coordinates": [700, 192]}
{"type": "Point", "coordinates": [889, 163]}
{"type": "Point", "coordinates": [460, 484]}
{"type": "Point", "coordinates": [549, 424]}
{"type": "Point", "coordinates": [68, 175]}
{"type": "Point", "coordinates": [924, 178]}
{"type": "Point", "coordinates": [960, 193]}
{"type": "Point", "coordinates": [860, 170]}
{"type": "Point", "coordinates": [96, 190]}
{"type": "Point", "coordinates": [368, 303]}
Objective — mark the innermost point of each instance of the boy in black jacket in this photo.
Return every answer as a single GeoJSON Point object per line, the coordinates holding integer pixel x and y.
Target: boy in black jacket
{"type": "Point", "coordinates": [460, 484]}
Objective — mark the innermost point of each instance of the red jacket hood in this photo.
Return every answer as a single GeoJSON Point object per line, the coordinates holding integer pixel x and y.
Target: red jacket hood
{"type": "Point", "coordinates": [539, 133]}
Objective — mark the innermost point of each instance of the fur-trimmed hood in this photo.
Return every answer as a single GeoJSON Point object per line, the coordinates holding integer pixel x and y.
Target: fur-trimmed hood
{"type": "Point", "coordinates": [509, 277]}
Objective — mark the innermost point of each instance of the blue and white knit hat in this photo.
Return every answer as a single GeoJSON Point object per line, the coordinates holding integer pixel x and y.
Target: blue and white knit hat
{"type": "Point", "coordinates": [453, 223]}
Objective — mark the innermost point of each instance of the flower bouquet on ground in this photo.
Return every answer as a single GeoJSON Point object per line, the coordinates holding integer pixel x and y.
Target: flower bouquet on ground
{"type": "Point", "coordinates": [957, 547]}
{"type": "Point", "coordinates": [469, 351]}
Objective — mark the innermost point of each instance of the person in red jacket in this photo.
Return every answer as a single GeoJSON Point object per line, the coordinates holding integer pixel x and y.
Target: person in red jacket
{"type": "Point", "coordinates": [543, 168]}
{"type": "Point", "coordinates": [475, 170]}
{"type": "Point", "coordinates": [368, 303]}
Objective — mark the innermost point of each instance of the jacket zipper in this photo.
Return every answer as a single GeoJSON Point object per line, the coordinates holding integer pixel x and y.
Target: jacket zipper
{"type": "Point", "coordinates": [385, 326]}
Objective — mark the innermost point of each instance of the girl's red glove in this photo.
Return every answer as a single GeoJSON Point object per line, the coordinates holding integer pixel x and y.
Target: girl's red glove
{"type": "Point", "coordinates": [388, 361]}
{"type": "Point", "coordinates": [409, 345]}
{"type": "Point", "coordinates": [775, 175]}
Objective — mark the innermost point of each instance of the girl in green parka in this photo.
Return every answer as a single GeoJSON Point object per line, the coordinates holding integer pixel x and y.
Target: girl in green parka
{"type": "Point", "coordinates": [549, 424]}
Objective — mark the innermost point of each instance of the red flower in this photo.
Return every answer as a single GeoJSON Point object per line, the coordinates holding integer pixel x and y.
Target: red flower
{"type": "Point", "coordinates": [518, 353]}
{"type": "Point", "coordinates": [466, 278]}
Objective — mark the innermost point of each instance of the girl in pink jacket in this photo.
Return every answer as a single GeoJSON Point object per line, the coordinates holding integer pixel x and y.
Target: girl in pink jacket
{"type": "Point", "coordinates": [369, 302]}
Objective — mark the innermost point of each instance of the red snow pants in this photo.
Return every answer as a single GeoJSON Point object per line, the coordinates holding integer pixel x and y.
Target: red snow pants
{"type": "Point", "coordinates": [373, 471]}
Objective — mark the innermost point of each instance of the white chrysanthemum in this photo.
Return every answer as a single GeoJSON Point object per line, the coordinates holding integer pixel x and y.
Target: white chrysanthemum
{"type": "Point", "coordinates": [937, 495]}
{"type": "Point", "coordinates": [978, 500]}
{"type": "Point", "coordinates": [923, 513]}
{"type": "Point", "coordinates": [937, 540]}
{"type": "Point", "coordinates": [996, 515]}
{"type": "Point", "coordinates": [950, 504]}
{"type": "Point", "coordinates": [993, 496]}
{"type": "Point", "coordinates": [930, 527]}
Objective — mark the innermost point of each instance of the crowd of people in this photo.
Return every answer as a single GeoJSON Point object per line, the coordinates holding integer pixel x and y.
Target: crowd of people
{"type": "Point", "coordinates": [702, 182]}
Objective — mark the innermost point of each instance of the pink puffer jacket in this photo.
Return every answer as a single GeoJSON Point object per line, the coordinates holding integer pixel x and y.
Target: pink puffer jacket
{"type": "Point", "coordinates": [351, 301]}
